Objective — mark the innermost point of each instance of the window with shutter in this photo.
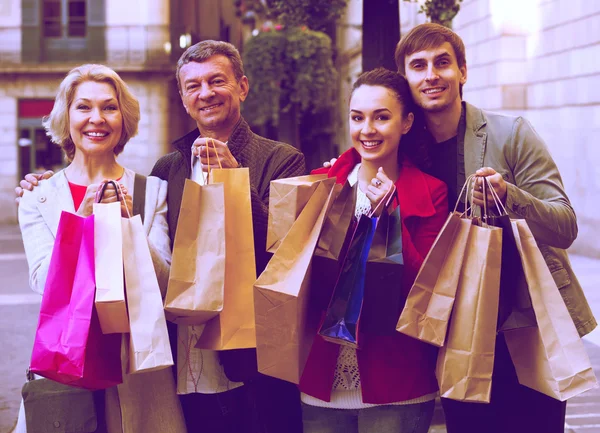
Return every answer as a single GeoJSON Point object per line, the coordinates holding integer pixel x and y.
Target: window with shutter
{"type": "Point", "coordinates": [64, 18]}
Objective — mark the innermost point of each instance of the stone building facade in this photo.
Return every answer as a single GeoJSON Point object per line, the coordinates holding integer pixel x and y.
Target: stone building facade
{"type": "Point", "coordinates": [41, 40]}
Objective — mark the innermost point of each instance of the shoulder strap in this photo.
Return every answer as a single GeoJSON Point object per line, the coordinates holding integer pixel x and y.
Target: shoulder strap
{"type": "Point", "coordinates": [139, 195]}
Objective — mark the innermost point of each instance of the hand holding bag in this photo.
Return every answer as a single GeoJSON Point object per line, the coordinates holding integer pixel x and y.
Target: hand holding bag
{"type": "Point", "coordinates": [195, 293]}
{"type": "Point", "coordinates": [466, 361]}
{"type": "Point", "coordinates": [108, 259]}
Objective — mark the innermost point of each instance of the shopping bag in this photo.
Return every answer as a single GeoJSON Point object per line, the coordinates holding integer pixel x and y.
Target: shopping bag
{"type": "Point", "coordinates": [286, 317]}
{"type": "Point", "coordinates": [195, 293]}
{"type": "Point", "coordinates": [466, 361]}
{"type": "Point", "coordinates": [426, 313]}
{"type": "Point", "coordinates": [551, 357]}
{"type": "Point", "coordinates": [514, 307]}
{"type": "Point", "coordinates": [149, 348]}
{"type": "Point", "coordinates": [69, 346]}
{"type": "Point", "coordinates": [383, 297]}
{"type": "Point", "coordinates": [341, 322]}
{"type": "Point", "coordinates": [287, 198]}
{"type": "Point", "coordinates": [234, 327]}
{"type": "Point", "coordinates": [108, 258]}
{"type": "Point", "coordinates": [336, 224]}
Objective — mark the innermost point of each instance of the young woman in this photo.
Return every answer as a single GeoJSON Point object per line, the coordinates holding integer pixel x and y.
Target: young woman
{"type": "Point", "coordinates": [93, 118]}
{"type": "Point", "coordinates": [389, 384]}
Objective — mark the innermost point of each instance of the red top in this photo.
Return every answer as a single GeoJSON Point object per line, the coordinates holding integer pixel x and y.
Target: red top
{"type": "Point", "coordinates": [393, 367]}
{"type": "Point", "coordinates": [78, 193]}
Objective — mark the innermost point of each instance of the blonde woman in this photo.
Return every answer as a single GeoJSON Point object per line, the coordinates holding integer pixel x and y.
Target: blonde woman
{"type": "Point", "coordinates": [93, 118]}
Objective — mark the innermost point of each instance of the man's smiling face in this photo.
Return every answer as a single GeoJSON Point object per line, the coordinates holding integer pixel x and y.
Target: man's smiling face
{"type": "Point", "coordinates": [211, 94]}
{"type": "Point", "coordinates": [435, 78]}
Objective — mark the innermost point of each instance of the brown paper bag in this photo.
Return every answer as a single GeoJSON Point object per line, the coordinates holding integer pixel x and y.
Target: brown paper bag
{"type": "Point", "coordinates": [466, 361]}
{"type": "Point", "coordinates": [286, 319]}
{"type": "Point", "coordinates": [195, 293]}
{"type": "Point", "coordinates": [431, 298]}
{"type": "Point", "coordinates": [149, 347]}
{"type": "Point", "coordinates": [108, 261]}
{"type": "Point", "coordinates": [337, 222]}
{"type": "Point", "coordinates": [287, 198]}
{"type": "Point", "coordinates": [551, 357]}
{"type": "Point", "coordinates": [234, 327]}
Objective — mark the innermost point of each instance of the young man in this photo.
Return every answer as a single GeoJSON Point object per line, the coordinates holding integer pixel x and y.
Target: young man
{"type": "Point", "coordinates": [508, 151]}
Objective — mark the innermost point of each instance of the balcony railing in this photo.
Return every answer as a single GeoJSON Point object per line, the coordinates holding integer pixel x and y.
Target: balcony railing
{"type": "Point", "coordinates": [128, 47]}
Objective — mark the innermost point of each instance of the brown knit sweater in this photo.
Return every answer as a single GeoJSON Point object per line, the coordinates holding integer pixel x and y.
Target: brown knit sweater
{"type": "Point", "coordinates": [266, 160]}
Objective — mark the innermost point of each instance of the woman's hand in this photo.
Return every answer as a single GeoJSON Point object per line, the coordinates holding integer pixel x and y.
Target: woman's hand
{"type": "Point", "coordinates": [86, 208]}
{"type": "Point", "coordinates": [378, 190]}
{"type": "Point", "coordinates": [109, 196]}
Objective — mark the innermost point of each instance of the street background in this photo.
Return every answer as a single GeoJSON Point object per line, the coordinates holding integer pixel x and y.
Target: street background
{"type": "Point", "coordinates": [19, 308]}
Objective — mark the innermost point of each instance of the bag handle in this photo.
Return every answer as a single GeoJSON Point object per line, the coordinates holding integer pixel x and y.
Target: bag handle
{"type": "Point", "coordinates": [119, 191]}
{"type": "Point", "coordinates": [499, 206]}
{"type": "Point", "coordinates": [102, 188]}
{"type": "Point", "coordinates": [387, 199]}
{"type": "Point", "coordinates": [210, 141]}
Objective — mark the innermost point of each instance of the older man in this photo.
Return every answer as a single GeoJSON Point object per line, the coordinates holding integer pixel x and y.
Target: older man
{"type": "Point", "coordinates": [226, 393]}
{"type": "Point", "coordinates": [222, 391]}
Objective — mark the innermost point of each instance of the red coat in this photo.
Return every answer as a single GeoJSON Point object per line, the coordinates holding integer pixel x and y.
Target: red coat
{"type": "Point", "coordinates": [392, 367]}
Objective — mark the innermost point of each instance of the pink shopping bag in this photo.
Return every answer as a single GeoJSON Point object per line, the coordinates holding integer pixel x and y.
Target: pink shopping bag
{"type": "Point", "coordinates": [69, 346]}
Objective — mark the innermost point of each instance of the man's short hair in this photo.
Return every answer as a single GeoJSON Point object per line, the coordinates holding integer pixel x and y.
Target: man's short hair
{"type": "Point", "coordinates": [202, 51]}
{"type": "Point", "coordinates": [427, 36]}
{"type": "Point", "coordinates": [57, 123]}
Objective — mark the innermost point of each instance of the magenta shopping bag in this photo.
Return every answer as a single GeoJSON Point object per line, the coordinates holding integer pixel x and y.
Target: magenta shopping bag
{"type": "Point", "coordinates": [69, 346]}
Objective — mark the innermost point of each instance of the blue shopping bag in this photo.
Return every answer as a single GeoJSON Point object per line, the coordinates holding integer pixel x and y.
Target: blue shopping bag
{"type": "Point", "coordinates": [342, 319]}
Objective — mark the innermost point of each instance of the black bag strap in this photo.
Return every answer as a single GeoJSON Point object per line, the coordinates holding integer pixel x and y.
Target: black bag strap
{"type": "Point", "coordinates": [139, 195]}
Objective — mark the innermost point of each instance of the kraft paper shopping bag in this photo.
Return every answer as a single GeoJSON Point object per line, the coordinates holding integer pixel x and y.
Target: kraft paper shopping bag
{"type": "Point", "coordinates": [286, 317]}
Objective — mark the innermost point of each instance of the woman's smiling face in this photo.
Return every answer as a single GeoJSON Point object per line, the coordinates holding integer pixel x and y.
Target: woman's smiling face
{"type": "Point", "coordinates": [377, 122]}
{"type": "Point", "coordinates": [95, 119]}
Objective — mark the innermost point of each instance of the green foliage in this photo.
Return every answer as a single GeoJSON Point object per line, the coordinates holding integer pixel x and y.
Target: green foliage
{"type": "Point", "coordinates": [440, 11]}
{"type": "Point", "coordinates": [316, 14]}
{"type": "Point", "coordinates": [291, 67]}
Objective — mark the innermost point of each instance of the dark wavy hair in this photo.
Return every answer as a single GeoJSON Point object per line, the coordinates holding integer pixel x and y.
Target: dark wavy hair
{"type": "Point", "coordinates": [414, 145]}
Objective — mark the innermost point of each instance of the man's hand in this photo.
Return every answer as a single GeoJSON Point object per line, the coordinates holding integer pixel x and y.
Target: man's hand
{"type": "Point", "coordinates": [31, 180]}
{"type": "Point", "coordinates": [378, 190]}
{"type": "Point", "coordinates": [214, 154]}
{"type": "Point", "coordinates": [497, 183]}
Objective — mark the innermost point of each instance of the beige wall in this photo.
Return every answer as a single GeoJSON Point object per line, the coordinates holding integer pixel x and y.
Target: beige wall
{"type": "Point", "coordinates": [541, 59]}
{"type": "Point", "coordinates": [10, 30]}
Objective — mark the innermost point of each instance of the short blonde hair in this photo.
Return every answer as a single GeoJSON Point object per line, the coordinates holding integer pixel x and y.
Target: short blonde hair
{"type": "Point", "coordinates": [57, 123]}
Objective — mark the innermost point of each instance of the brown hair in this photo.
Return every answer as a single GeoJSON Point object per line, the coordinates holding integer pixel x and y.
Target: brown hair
{"type": "Point", "coordinates": [427, 36]}
{"type": "Point", "coordinates": [57, 123]}
{"type": "Point", "coordinates": [202, 51]}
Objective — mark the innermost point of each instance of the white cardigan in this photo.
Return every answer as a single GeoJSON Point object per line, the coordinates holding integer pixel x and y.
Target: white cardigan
{"type": "Point", "coordinates": [39, 214]}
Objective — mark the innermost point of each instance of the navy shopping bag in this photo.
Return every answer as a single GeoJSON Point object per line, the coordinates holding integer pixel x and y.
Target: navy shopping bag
{"type": "Point", "coordinates": [343, 314]}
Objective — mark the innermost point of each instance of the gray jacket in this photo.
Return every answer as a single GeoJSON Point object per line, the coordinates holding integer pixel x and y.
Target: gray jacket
{"type": "Point", "coordinates": [535, 192]}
